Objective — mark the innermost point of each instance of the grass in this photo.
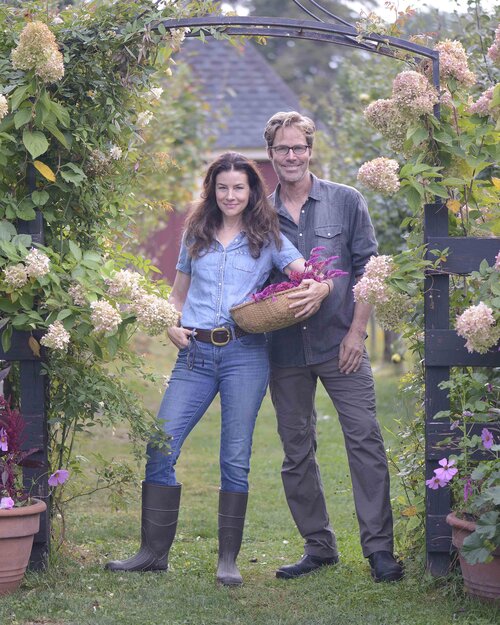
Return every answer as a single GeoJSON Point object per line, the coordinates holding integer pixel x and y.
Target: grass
{"type": "Point", "coordinates": [77, 591]}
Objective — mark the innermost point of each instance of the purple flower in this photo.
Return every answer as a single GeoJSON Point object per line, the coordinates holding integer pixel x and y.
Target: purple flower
{"type": "Point", "coordinates": [467, 413]}
{"type": "Point", "coordinates": [487, 438]}
{"type": "Point", "coordinates": [6, 503]}
{"type": "Point", "coordinates": [467, 489]}
{"type": "Point", "coordinates": [58, 477]}
{"type": "Point", "coordinates": [3, 440]}
{"type": "Point", "coordinates": [447, 470]}
{"type": "Point", "coordinates": [435, 482]}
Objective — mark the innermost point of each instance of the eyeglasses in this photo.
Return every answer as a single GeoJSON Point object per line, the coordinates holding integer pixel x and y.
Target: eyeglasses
{"type": "Point", "coordinates": [283, 150]}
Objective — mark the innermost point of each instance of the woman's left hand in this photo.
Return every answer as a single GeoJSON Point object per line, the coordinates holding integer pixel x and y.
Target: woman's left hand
{"type": "Point", "coordinates": [308, 302]}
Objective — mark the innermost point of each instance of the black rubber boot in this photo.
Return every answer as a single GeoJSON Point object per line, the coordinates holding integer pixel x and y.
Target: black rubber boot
{"type": "Point", "coordinates": [160, 510]}
{"type": "Point", "coordinates": [232, 509]}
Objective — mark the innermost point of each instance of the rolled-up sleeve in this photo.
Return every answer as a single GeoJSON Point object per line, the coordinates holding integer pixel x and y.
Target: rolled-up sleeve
{"type": "Point", "coordinates": [286, 255]}
{"type": "Point", "coordinates": [184, 260]}
{"type": "Point", "coordinates": [363, 243]}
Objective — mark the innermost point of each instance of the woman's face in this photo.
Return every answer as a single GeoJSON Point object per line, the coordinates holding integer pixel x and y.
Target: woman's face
{"type": "Point", "coordinates": [232, 192]}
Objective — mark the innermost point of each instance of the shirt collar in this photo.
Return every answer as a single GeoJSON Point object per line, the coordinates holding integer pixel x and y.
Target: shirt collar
{"type": "Point", "coordinates": [314, 194]}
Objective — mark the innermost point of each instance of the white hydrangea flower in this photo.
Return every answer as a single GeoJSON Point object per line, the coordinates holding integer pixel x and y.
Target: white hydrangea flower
{"type": "Point", "coordinates": [104, 317]}
{"type": "Point", "coordinates": [57, 337]}
{"type": "Point", "coordinates": [154, 313]}
{"type": "Point", "coordinates": [124, 283]}
{"type": "Point", "coordinates": [115, 152]}
{"type": "Point", "coordinates": [144, 118]}
{"type": "Point", "coordinates": [37, 263]}
{"type": "Point", "coordinates": [77, 294]}
{"type": "Point", "coordinates": [4, 106]}
{"type": "Point", "coordinates": [16, 276]}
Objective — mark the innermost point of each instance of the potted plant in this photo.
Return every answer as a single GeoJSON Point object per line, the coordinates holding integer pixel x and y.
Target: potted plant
{"type": "Point", "coordinates": [19, 513]}
{"type": "Point", "coordinates": [473, 474]}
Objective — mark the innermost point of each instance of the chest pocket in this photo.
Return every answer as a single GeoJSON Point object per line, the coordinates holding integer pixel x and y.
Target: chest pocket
{"type": "Point", "coordinates": [330, 237]}
{"type": "Point", "coordinates": [245, 262]}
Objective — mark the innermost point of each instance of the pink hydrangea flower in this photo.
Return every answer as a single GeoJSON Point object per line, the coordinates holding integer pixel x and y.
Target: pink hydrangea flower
{"type": "Point", "coordinates": [494, 50]}
{"type": "Point", "coordinates": [414, 94]}
{"type": "Point", "coordinates": [6, 503]}
{"type": "Point", "coordinates": [447, 470]}
{"type": "Point", "coordinates": [453, 63]}
{"type": "Point", "coordinates": [4, 443]}
{"type": "Point", "coordinates": [380, 174]}
{"type": "Point", "coordinates": [58, 477]}
{"type": "Point", "coordinates": [482, 106]}
{"type": "Point", "coordinates": [477, 325]}
{"type": "Point", "coordinates": [487, 438]}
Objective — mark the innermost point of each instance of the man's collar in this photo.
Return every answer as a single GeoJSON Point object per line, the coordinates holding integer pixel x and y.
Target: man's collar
{"type": "Point", "coordinates": [314, 191]}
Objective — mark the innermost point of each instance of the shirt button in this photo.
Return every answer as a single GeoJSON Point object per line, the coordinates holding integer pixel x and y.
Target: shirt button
{"type": "Point", "coordinates": [300, 234]}
{"type": "Point", "coordinates": [220, 283]}
{"type": "Point", "coordinates": [329, 234]}
{"type": "Point", "coordinates": [304, 327]}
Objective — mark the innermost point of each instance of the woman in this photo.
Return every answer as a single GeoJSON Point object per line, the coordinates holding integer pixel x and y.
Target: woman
{"type": "Point", "coordinates": [231, 244]}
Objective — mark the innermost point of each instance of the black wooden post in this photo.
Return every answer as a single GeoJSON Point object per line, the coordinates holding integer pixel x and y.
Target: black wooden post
{"type": "Point", "coordinates": [445, 349]}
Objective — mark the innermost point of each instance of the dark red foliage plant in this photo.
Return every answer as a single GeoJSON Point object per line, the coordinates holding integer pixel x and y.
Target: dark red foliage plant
{"type": "Point", "coordinates": [316, 269]}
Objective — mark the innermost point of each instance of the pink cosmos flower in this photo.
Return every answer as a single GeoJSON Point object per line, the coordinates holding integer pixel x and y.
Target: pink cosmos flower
{"type": "Point", "coordinates": [4, 446]}
{"type": "Point", "coordinates": [58, 477]}
{"type": "Point", "coordinates": [6, 503]}
{"type": "Point", "coordinates": [487, 438]}
{"type": "Point", "coordinates": [435, 482]}
{"type": "Point", "coordinates": [447, 470]}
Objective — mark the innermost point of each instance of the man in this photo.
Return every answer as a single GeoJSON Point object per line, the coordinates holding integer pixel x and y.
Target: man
{"type": "Point", "coordinates": [328, 346]}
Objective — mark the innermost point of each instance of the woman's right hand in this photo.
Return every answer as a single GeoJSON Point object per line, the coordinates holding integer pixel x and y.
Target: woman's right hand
{"type": "Point", "coordinates": [179, 336]}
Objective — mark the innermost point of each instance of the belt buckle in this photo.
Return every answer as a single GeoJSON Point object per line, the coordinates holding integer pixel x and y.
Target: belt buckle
{"type": "Point", "coordinates": [220, 343]}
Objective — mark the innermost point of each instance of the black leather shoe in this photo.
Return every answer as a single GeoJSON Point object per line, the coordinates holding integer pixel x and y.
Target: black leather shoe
{"type": "Point", "coordinates": [308, 564]}
{"type": "Point", "coordinates": [385, 567]}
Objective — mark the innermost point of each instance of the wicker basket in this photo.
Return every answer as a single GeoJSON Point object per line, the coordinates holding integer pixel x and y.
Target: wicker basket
{"type": "Point", "coordinates": [266, 315]}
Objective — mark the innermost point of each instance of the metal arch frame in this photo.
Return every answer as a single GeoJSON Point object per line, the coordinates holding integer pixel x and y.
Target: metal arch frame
{"type": "Point", "coordinates": [320, 31]}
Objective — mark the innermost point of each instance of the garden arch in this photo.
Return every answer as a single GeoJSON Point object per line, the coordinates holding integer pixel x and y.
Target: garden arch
{"type": "Point", "coordinates": [443, 348]}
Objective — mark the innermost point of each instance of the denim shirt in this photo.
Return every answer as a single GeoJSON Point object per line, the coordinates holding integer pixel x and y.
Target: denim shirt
{"type": "Point", "coordinates": [223, 277]}
{"type": "Point", "coordinates": [336, 217]}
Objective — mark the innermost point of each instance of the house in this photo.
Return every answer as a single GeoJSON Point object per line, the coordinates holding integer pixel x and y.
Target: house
{"type": "Point", "coordinates": [243, 92]}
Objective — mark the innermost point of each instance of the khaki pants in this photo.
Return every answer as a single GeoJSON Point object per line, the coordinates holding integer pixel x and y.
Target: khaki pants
{"type": "Point", "coordinates": [293, 390]}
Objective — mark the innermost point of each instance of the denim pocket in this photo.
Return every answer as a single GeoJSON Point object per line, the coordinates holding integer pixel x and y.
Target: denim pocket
{"type": "Point", "coordinates": [252, 340]}
{"type": "Point", "coordinates": [245, 262]}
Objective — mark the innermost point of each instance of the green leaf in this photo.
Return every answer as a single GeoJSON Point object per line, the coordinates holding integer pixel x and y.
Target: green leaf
{"type": "Point", "coordinates": [72, 173]}
{"type": "Point", "coordinates": [39, 198]}
{"type": "Point", "coordinates": [22, 117]}
{"type": "Point", "coordinates": [35, 142]}
{"type": "Point", "coordinates": [25, 211]}
{"type": "Point", "coordinates": [61, 113]}
{"type": "Point", "coordinates": [75, 250]}
{"type": "Point", "coordinates": [6, 338]}
{"type": "Point", "coordinates": [54, 130]}
{"type": "Point", "coordinates": [23, 240]}
{"type": "Point", "coordinates": [7, 230]}
{"type": "Point", "coordinates": [20, 94]}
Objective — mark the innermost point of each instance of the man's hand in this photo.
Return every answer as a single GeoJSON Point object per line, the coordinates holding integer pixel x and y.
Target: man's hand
{"type": "Point", "coordinates": [308, 301]}
{"type": "Point", "coordinates": [351, 351]}
{"type": "Point", "coordinates": [179, 336]}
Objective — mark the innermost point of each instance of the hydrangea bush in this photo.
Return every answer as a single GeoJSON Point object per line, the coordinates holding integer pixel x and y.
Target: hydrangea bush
{"type": "Point", "coordinates": [78, 90]}
{"type": "Point", "coordinates": [454, 158]}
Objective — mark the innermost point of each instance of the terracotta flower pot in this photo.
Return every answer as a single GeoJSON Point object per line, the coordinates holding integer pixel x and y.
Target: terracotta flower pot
{"type": "Point", "coordinates": [480, 580]}
{"type": "Point", "coordinates": [18, 526]}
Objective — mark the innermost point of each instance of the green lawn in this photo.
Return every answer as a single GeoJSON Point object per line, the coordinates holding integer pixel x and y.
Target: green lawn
{"type": "Point", "coordinates": [77, 591]}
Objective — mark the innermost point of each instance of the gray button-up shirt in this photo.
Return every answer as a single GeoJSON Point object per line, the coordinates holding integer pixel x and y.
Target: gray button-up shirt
{"type": "Point", "coordinates": [336, 217]}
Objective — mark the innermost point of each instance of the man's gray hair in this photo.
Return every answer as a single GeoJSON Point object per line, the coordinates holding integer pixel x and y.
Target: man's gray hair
{"type": "Point", "coordinates": [289, 118]}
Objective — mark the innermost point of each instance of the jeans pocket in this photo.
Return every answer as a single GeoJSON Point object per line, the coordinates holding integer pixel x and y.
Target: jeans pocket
{"type": "Point", "coordinates": [252, 340]}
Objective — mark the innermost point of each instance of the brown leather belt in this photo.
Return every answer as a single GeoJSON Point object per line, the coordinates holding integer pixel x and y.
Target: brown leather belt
{"type": "Point", "coordinates": [218, 336]}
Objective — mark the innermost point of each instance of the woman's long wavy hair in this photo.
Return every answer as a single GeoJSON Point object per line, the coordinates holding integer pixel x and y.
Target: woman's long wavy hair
{"type": "Point", "coordinates": [260, 220]}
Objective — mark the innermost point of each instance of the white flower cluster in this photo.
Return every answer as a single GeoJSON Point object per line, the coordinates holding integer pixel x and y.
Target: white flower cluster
{"type": "Point", "coordinates": [37, 50]}
{"type": "Point", "coordinates": [124, 283]}
{"type": "Point", "coordinates": [57, 337]}
{"type": "Point", "coordinates": [380, 174]}
{"type": "Point", "coordinates": [154, 94]}
{"type": "Point", "coordinates": [177, 36]}
{"type": "Point", "coordinates": [104, 317]}
{"type": "Point", "coordinates": [477, 325]}
{"type": "Point", "coordinates": [37, 264]}
{"type": "Point", "coordinates": [115, 152]}
{"type": "Point", "coordinates": [16, 276]}
{"type": "Point", "coordinates": [4, 106]}
{"type": "Point", "coordinates": [154, 313]}
{"type": "Point", "coordinates": [77, 294]}
{"type": "Point", "coordinates": [143, 118]}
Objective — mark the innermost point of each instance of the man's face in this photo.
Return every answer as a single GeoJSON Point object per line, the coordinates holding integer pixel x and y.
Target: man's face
{"type": "Point", "coordinates": [290, 167]}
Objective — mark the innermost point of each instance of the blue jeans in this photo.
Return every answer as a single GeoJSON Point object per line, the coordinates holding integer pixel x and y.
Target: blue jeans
{"type": "Point", "coordinates": [239, 371]}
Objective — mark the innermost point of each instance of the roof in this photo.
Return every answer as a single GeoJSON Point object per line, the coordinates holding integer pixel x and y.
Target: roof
{"type": "Point", "coordinates": [241, 88]}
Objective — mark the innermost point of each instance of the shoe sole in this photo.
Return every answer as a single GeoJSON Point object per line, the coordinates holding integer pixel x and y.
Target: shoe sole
{"type": "Point", "coordinates": [395, 577]}
{"type": "Point", "coordinates": [284, 575]}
